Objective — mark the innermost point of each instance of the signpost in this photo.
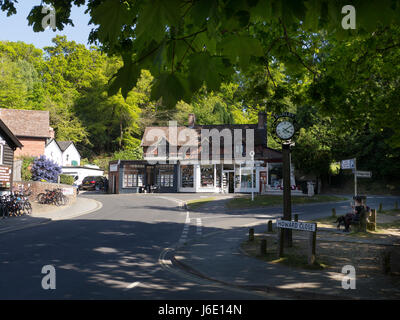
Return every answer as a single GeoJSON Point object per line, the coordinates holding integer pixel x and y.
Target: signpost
{"type": "Point", "coordinates": [301, 226]}
{"type": "Point", "coordinates": [352, 164]}
{"type": "Point", "coordinates": [364, 174]}
{"type": "Point", "coordinates": [348, 164]}
{"type": "Point", "coordinates": [295, 225]}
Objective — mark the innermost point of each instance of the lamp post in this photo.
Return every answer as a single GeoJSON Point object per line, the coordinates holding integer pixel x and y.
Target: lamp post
{"type": "Point", "coordinates": [252, 175]}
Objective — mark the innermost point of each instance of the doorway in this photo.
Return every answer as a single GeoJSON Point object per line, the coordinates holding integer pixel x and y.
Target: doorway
{"type": "Point", "coordinates": [114, 184]}
{"type": "Point", "coordinates": [150, 175]}
{"type": "Point", "coordinates": [231, 182]}
{"type": "Point", "coordinates": [228, 181]}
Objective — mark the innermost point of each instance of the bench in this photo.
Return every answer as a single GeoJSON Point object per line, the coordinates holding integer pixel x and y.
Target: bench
{"type": "Point", "coordinates": [366, 222]}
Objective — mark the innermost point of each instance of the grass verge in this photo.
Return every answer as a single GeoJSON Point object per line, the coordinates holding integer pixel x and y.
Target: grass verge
{"type": "Point", "coordinates": [197, 203]}
{"type": "Point", "coordinates": [270, 200]}
{"type": "Point", "coordinates": [293, 257]}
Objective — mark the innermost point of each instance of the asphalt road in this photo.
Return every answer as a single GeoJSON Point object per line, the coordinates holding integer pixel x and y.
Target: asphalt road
{"type": "Point", "coordinates": [117, 252]}
{"type": "Point", "coordinates": [121, 251]}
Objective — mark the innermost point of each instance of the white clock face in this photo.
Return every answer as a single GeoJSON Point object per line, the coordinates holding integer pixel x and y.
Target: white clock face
{"type": "Point", "coordinates": [285, 130]}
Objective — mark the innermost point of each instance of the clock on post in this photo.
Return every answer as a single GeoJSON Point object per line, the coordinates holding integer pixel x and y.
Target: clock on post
{"type": "Point", "coordinates": [284, 131]}
{"type": "Point", "coordinates": [285, 127]}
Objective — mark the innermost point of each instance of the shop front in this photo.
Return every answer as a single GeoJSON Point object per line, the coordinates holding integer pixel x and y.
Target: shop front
{"type": "Point", "coordinates": [138, 176]}
{"type": "Point", "coordinates": [219, 178]}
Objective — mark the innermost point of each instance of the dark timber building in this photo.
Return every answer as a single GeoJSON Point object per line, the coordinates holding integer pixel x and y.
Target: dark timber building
{"type": "Point", "coordinates": [8, 144]}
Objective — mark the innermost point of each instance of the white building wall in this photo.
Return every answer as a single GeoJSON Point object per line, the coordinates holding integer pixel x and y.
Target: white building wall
{"type": "Point", "coordinates": [69, 155]}
{"type": "Point", "coordinates": [53, 152]}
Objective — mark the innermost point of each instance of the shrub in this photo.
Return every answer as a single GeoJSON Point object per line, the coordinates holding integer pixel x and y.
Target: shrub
{"type": "Point", "coordinates": [66, 179]}
{"type": "Point", "coordinates": [128, 154]}
{"type": "Point", "coordinates": [27, 162]}
{"type": "Point", "coordinates": [45, 170]}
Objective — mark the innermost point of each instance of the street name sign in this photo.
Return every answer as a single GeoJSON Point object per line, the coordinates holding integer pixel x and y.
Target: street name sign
{"type": "Point", "coordinates": [303, 226]}
{"type": "Point", "coordinates": [347, 164]}
{"type": "Point", "coordinates": [364, 174]}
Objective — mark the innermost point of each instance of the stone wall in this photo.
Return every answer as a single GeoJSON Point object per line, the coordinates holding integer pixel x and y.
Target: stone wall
{"type": "Point", "coordinates": [17, 170]}
{"type": "Point", "coordinates": [40, 187]}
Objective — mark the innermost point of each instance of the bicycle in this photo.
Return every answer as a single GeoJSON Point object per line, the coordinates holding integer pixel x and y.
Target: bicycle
{"type": "Point", "coordinates": [55, 197]}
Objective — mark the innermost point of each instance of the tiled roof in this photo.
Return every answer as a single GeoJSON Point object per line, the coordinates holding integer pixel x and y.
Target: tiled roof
{"type": "Point", "coordinates": [27, 123]}
{"type": "Point", "coordinates": [64, 144]}
{"type": "Point", "coordinates": [260, 135]}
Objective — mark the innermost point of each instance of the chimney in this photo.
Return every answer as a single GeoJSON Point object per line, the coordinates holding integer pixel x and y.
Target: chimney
{"type": "Point", "coordinates": [51, 132]}
{"type": "Point", "coordinates": [262, 119]}
{"type": "Point", "coordinates": [191, 120]}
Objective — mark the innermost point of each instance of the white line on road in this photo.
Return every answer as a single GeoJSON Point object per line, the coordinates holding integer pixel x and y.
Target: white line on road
{"type": "Point", "coordinates": [185, 231]}
{"type": "Point", "coordinates": [199, 226]}
{"type": "Point", "coordinates": [132, 285]}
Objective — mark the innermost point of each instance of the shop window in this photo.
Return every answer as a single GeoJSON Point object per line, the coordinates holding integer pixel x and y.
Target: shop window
{"type": "Point", "coordinates": [187, 176]}
{"type": "Point", "coordinates": [207, 176]}
{"type": "Point", "coordinates": [133, 179]}
{"type": "Point", "coordinates": [275, 175]}
{"type": "Point", "coordinates": [133, 176]}
{"type": "Point", "coordinates": [237, 177]}
{"type": "Point", "coordinates": [165, 177]}
{"type": "Point", "coordinates": [246, 178]}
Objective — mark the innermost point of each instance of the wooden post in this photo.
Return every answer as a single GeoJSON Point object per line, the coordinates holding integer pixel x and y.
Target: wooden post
{"type": "Point", "coordinates": [333, 212]}
{"type": "Point", "coordinates": [263, 247]}
{"type": "Point", "coordinates": [363, 221]}
{"type": "Point", "coordinates": [251, 234]}
{"type": "Point", "coordinates": [312, 246]}
{"type": "Point", "coordinates": [269, 226]}
{"type": "Point", "coordinates": [396, 205]}
{"type": "Point", "coordinates": [372, 219]}
{"type": "Point", "coordinates": [280, 242]}
{"type": "Point", "coordinates": [296, 217]}
{"type": "Point", "coordinates": [380, 207]}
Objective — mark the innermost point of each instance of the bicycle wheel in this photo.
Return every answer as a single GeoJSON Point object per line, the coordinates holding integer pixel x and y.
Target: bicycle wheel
{"type": "Point", "coordinates": [28, 208]}
{"type": "Point", "coordinates": [63, 200]}
{"type": "Point", "coordinates": [20, 209]}
{"type": "Point", "coordinates": [56, 200]}
{"type": "Point", "coordinates": [41, 197]}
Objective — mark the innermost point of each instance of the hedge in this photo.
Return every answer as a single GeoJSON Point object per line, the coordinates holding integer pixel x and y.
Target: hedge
{"type": "Point", "coordinates": [66, 179]}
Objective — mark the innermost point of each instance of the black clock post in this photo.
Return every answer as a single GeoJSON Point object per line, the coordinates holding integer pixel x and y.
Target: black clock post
{"type": "Point", "coordinates": [285, 129]}
{"type": "Point", "coordinates": [287, 200]}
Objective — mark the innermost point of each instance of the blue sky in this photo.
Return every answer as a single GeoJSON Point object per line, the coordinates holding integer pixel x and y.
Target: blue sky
{"type": "Point", "coordinates": [15, 27]}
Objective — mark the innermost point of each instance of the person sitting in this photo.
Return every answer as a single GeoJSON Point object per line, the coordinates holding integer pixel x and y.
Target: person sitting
{"type": "Point", "coordinates": [359, 211]}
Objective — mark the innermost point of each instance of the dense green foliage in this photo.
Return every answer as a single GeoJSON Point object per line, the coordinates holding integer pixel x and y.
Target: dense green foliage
{"type": "Point", "coordinates": [224, 61]}
{"type": "Point", "coordinates": [66, 179]}
{"type": "Point", "coordinates": [27, 162]}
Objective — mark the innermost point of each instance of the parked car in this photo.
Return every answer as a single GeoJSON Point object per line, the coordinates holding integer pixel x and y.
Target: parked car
{"type": "Point", "coordinates": [93, 183]}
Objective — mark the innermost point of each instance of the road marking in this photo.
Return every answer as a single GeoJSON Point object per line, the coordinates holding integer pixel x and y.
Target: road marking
{"type": "Point", "coordinates": [199, 227]}
{"type": "Point", "coordinates": [185, 230]}
{"type": "Point", "coordinates": [132, 285]}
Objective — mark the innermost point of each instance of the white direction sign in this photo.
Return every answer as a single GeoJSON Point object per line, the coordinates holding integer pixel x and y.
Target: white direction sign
{"type": "Point", "coordinates": [347, 164]}
{"type": "Point", "coordinates": [364, 174]}
{"type": "Point", "coordinates": [304, 226]}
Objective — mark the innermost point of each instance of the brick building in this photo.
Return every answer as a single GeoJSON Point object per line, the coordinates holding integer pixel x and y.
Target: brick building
{"type": "Point", "coordinates": [202, 158]}
{"type": "Point", "coordinates": [31, 127]}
